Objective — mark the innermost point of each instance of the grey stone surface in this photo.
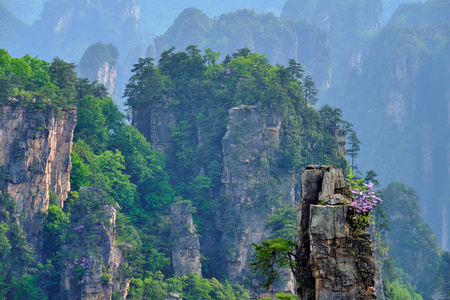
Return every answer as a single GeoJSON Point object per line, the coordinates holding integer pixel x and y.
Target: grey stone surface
{"type": "Point", "coordinates": [334, 261]}
{"type": "Point", "coordinates": [185, 242]}
{"type": "Point", "coordinates": [328, 221]}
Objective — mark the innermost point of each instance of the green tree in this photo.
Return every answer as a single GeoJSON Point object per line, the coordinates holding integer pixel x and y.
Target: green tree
{"type": "Point", "coordinates": [270, 254]}
{"type": "Point", "coordinates": [353, 150]}
{"type": "Point", "coordinates": [310, 91]}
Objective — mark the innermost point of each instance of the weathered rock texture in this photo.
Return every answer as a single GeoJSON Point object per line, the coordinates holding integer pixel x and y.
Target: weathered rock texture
{"type": "Point", "coordinates": [252, 186]}
{"type": "Point", "coordinates": [101, 259]}
{"type": "Point", "coordinates": [34, 160]}
{"type": "Point", "coordinates": [334, 260]}
{"type": "Point", "coordinates": [185, 242]}
{"type": "Point", "coordinates": [155, 123]}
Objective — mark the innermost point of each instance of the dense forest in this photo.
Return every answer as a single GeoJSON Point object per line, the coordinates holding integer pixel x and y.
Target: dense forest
{"type": "Point", "coordinates": [115, 157]}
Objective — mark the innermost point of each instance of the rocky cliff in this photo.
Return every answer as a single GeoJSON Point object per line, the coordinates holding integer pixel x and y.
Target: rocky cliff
{"type": "Point", "coordinates": [405, 95]}
{"type": "Point", "coordinates": [35, 161]}
{"type": "Point", "coordinates": [185, 242]}
{"type": "Point", "coordinates": [335, 261]}
{"type": "Point", "coordinates": [155, 123]}
{"type": "Point", "coordinates": [94, 267]}
{"type": "Point", "coordinates": [252, 186]}
{"type": "Point", "coordinates": [99, 63]}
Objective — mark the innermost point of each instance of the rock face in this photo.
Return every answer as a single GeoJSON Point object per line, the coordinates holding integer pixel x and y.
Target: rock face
{"type": "Point", "coordinates": [99, 63]}
{"type": "Point", "coordinates": [252, 186]}
{"type": "Point", "coordinates": [185, 242]}
{"type": "Point", "coordinates": [335, 261]}
{"type": "Point", "coordinates": [101, 262]}
{"type": "Point", "coordinates": [35, 159]}
{"type": "Point", "coordinates": [155, 124]}
{"type": "Point", "coordinates": [347, 24]}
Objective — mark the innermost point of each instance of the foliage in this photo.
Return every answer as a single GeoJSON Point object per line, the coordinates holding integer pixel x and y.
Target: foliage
{"type": "Point", "coordinates": [364, 201]}
{"type": "Point", "coordinates": [282, 223]}
{"type": "Point", "coordinates": [38, 84]}
{"type": "Point", "coordinates": [190, 287]}
{"type": "Point", "coordinates": [411, 239]}
{"type": "Point", "coordinates": [263, 33]}
{"type": "Point", "coordinates": [272, 253]}
{"type": "Point", "coordinates": [95, 57]}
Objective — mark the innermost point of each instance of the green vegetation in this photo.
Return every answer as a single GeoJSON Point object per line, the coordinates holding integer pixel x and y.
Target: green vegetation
{"type": "Point", "coordinates": [279, 39]}
{"type": "Point", "coordinates": [95, 57]}
{"type": "Point", "coordinates": [191, 287]}
{"type": "Point", "coordinates": [110, 155]}
{"type": "Point", "coordinates": [414, 245]}
{"type": "Point", "coordinates": [37, 84]}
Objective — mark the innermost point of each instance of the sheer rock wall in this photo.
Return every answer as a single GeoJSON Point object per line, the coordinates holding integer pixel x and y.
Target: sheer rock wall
{"type": "Point", "coordinates": [252, 186]}
{"type": "Point", "coordinates": [34, 160]}
{"type": "Point", "coordinates": [185, 242]}
{"type": "Point", "coordinates": [334, 260]}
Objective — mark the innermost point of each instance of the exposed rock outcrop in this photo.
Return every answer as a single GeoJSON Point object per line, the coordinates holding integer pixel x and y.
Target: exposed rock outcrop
{"type": "Point", "coordinates": [185, 242]}
{"type": "Point", "coordinates": [252, 186]}
{"type": "Point", "coordinates": [34, 161]}
{"type": "Point", "coordinates": [99, 63]}
{"type": "Point", "coordinates": [335, 261]}
{"type": "Point", "coordinates": [93, 269]}
{"type": "Point", "coordinates": [155, 123]}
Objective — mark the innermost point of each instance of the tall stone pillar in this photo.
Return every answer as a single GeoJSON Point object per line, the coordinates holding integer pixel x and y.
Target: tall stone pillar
{"type": "Point", "coordinates": [335, 260]}
{"type": "Point", "coordinates": [185, 242]}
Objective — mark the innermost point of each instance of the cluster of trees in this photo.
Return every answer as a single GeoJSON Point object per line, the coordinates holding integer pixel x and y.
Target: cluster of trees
{"type": "Point", "coordinates": [109, 154]}
{"type": "Point", "coordinates": [200, 90]}
{"type": "Point", "coordinates": [279, 39]}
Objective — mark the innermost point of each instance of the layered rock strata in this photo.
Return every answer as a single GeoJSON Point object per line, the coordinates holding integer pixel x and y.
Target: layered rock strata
{"type": "Point", "coordinates": [34, 161]}
{"type": "Point", "coordinates": [335, 261]}
{"type": "Point", "coordinates": [185, 242]}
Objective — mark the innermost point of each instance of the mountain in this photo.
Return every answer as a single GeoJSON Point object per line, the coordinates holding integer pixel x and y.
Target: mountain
{"type": "Point", "coordinates": [12, 29]}
{"type": "Point", "coordinates": [350, 26]}
{"type": "Point", "coordinates": [402, 93]}
{"type": "Point", "coordinates": [24, 10]}
{"type": "Point", "coordinates": [67, 28]}
{"type": "Point", "coordinates": [279, 39]}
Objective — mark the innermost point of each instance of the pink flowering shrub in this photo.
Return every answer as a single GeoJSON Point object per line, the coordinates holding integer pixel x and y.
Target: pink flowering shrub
{"type": "Point", "coordinates": [364, 201]}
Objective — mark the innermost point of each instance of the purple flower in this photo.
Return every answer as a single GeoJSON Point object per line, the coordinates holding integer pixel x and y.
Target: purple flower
{"type": "Point", "coordinates": [222, 86]}
{"type": "Point", "coordinates": [233, 146]}
{"type": "Point", "coordinates": [227, 72]}
{"type": "Point", "coordinates": [34, 100]}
